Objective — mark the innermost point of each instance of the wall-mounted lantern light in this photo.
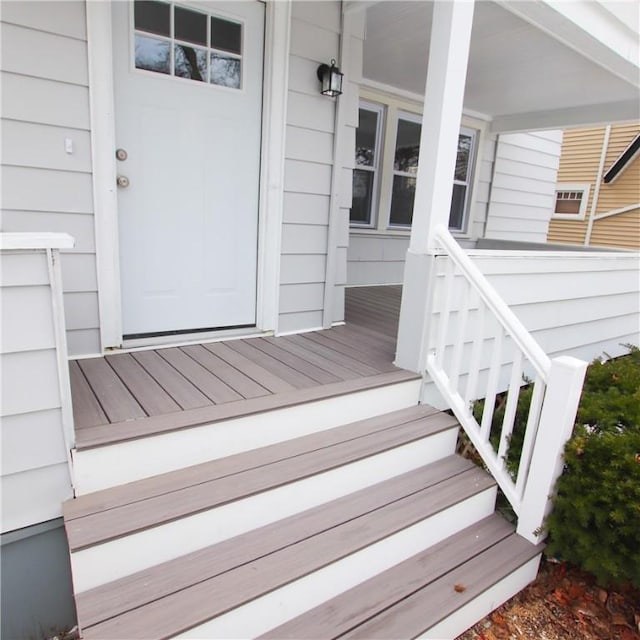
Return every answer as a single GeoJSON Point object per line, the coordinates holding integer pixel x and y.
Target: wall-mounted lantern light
{"type": "Point", "coordinates": [331, 79]}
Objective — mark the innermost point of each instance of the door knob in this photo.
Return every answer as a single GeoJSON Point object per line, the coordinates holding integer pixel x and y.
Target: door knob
{"type": "Point", "coordinates": [122, 182]}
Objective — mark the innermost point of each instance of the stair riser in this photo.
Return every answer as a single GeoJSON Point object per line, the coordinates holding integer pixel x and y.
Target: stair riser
{"type": "Point", "coordinates": [465, 617]}
{"type": "Point", "coordinates": [112, 560]}
{"type": "Point", "coordinates": [113, 465]}
{"type": "Point", "coordinates": [269, 611]}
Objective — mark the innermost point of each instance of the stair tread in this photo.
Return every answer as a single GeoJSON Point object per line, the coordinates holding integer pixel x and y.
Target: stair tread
{"type": "Point", "coordinates": [107, 434]}
{"type": "Point", "coordinates": [185, 592]}
{"type": "Point", "coordinates": [422, 610]}
{"type": "Point", "coordinates": [112, 513]}
{"type": "Point", "coordinates": [372, 598]}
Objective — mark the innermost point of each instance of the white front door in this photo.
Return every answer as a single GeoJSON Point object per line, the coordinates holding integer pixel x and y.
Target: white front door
{"type": "Point", "coordinates": [188, 111]}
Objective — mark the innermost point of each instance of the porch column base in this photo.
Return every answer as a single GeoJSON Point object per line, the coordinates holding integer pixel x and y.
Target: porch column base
{"type": "Point", "coordinates": [411, 350]}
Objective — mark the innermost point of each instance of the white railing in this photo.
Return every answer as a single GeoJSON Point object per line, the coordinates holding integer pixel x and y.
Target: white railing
{"type": "Point", "coordinates": [477, 347]}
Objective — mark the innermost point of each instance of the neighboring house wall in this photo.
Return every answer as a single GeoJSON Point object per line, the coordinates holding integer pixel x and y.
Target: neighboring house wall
{"type": "Point", "coordinates": [309, 154]}
{"type": "Point", "coordinates": [523, 188]}
{"type": "Point", "coordinates": [45, 102]}
{"type": "Point", "coordinates": [579, 164]}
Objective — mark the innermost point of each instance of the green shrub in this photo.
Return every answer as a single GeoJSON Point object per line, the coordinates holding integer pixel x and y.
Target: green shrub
{"type": "Point", "coordinates": [595, 522]}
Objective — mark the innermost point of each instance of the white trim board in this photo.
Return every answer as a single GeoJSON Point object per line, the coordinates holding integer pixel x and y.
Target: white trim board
{"type": "Point", "coordinates": [103, 142]}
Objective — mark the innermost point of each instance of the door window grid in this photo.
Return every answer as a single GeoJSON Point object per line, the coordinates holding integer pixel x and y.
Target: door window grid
{"type": "Point", "coordinates": [367, 164]}
{"type": "Point", "coordinates": [214, 58]}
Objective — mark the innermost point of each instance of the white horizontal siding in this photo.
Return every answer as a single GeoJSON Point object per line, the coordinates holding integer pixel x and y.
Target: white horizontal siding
{"type": "Point", "coordinates": [584, 305]}
{"type": "Point", "coordinates": [309, 149]}
{"type": "Point", "coordinates": [45, 108]}
{"type": "Point", "coordinates": [34, 476]}
{"type": "Point", "coordinates": [523, 187]}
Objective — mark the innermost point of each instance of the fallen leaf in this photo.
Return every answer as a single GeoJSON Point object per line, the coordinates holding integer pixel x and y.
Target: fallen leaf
{"type": "Point", "coordinates": [497, 618]}
{"type": "Point", "coordinates": [459, 588]}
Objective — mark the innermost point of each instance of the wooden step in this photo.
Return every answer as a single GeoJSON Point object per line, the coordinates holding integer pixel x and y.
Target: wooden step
{"type": "Point", "coordinates": [187, 592]}
{"type": "Point", "coordinates": [415, 596]}
{"type": "Point", "coordinates": [120, 531]}
{"type": "Point", "coordinates": [115, 454]}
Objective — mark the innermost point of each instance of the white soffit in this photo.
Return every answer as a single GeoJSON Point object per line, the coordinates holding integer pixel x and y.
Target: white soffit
{"type": "Point", "coordinates": [514, 67]}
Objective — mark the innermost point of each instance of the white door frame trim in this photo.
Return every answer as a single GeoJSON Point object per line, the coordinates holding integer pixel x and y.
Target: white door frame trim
{"type": "Point", "coordinates": [103, 144]}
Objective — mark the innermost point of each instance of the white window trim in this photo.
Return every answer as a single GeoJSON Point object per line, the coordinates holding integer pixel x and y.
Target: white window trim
{"type": "Point", "coordinates": [379, 109]}
{"type": "Point", "coordinates": [395, 104]}
{"type": "Point", "coordinates": [572, 186]}
{"type": "Point", "coordinates": [101, 105]}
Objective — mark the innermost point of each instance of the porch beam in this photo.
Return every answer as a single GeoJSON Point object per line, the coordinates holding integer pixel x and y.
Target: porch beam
{"type": "Point", "coordinates": [587, 115]}
{"type": "Point", "coordinates": [444, 93]}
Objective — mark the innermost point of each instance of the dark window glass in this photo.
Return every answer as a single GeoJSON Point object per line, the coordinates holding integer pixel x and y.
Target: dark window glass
{"type": "Point", "coordinates": [462, 159]}
{"type": "Point", "coordinates": [152, 54]}
{"type": "Point", "coordinates": [226, 36]}
{"type": "Point", "coordinates": [190, 26]}
{"type": "Point", "coordinates": [153, 17]}
{"type": "Point", "coordinates": [366, 138]}
{"type": "Point", "coordinates": [456, 215]}
{"type": "Point", "coordinates": [225, 71]}
{"type": "Point", "coordinates": [190, 62]}
{"type": "Point", "coordinates": [362, 196]}
{"type": "Point", "coordinates": [407, 147]}
{"type": "Point", "coordinates": [402, 197]}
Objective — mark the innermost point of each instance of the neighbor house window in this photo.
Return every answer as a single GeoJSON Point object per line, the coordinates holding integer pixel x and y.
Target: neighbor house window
{"type": "Point", "coordinates": [365, 174]}
{"type": "Point", "coordinates": [181, 42]}
{"type": "Point", "coordinates": [571, 201]}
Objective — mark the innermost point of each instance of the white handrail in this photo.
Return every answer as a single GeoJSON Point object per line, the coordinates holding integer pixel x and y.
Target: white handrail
{"type": "Point", "coordinates": [536, 356]}
{"type": "Point", "coordinates": [555, 394]}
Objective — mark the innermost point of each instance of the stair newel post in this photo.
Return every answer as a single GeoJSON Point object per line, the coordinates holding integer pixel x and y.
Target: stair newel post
{"type": "Point", "coordinates": [557, 418]}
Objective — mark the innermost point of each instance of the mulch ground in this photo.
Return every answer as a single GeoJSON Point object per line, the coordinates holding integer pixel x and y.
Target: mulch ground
{"type": "Point", "coordinates": [563, 603]}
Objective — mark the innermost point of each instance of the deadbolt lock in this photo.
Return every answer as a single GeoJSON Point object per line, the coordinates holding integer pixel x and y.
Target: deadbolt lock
{"type": "Point", "coordinates": [121, 154]}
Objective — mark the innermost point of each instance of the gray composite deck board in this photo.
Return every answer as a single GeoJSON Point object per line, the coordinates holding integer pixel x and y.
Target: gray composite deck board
{"type": "Point", "coordinates": [87, 411]}
{"type": "Point", "coordinates": [332, 355]}
{"type": "Point", "coordinates": [126, 519]}
{"type": "Point", "coordinates": [115, 399]}
{"type": "Point", "coordinates": [347, 348]}
{"type": "Point", "coordinates": [195, 605]}
{"type": "Point", "coordinates": [118, 432]}
{"type": "Point", "coordinates": [347, 611]}
{"type": "Point", "coordinates": [147, 392]}
{"type": "Point", "coordinates": [176, 385]}
{"type": "Point", "coordinates": [242, 384]}
{"type": "Point", "coordinates": [302, 365]}
{"type": "Point", "coordinates": [209, 384]}
{"type": "Point", "coordinates": [332, 366]}
{"type": "Point", "coordinates": [139, 391]}
{"type": "Point", "coordinates": [261, 375]}
{"type": "Point", "coordinates": [131, 592]}
{"type": "Point", "coordinates": [140, 490]}
{"type": "Point", "coordinates": [293, 377]}
{"type": "Point", "coordinates": [427, 607]}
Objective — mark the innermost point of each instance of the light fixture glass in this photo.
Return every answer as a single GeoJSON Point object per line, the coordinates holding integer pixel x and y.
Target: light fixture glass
{"type": "Point", "coordinates": [331, 79]}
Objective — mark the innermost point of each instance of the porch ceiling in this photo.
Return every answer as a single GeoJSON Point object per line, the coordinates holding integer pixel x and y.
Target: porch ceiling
{"type": "Point", "coordinates": [517, 72]}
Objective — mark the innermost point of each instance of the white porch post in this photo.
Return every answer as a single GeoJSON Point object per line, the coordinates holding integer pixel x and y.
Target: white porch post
{"type": "Point", "coordinates": [444, 93]}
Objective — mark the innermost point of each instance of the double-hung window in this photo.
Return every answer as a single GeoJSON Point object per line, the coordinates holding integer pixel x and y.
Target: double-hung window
{"type": "Point", "coordinates": [405, 168]}
{"type": "Point", "coordinates": [365, 174]}
{"type": "Point", "coordinates": [571, 201]}
{"type": "Point", "coordinates": [384, 187]}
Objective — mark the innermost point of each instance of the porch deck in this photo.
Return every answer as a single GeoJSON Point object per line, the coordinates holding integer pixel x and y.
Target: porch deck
{"type": "Point", "coordinates": [130, 395]}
